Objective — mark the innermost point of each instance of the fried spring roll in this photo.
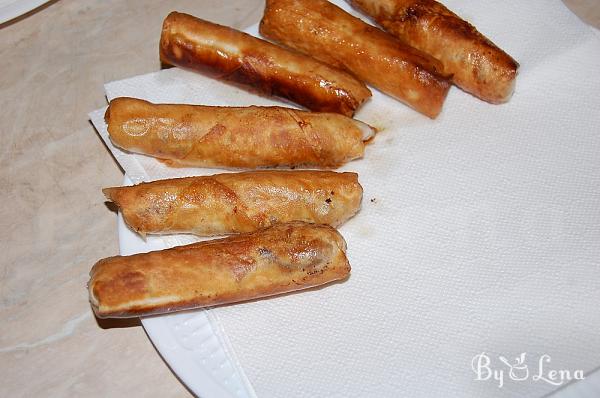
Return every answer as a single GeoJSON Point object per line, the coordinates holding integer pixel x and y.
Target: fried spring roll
{"type": "Point", "coordinates": [238, 202]}
{"type": "Point", "coordinates": [478, 66]}
{"type": "Point", "coordinates": [328, 33]}
{"type": "Point", "coordinates": [279, 259]}
{"type": "Point", "coordinates": [190, 42]}
{"type": "Point", "coordinates": [251, 137]}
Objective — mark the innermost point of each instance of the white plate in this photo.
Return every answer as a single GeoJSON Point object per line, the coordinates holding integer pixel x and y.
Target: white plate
{"type": "Point", "coordinates": [10, 9]}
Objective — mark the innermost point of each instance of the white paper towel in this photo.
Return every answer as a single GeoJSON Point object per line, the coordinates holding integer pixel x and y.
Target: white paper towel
{"type": "Point", "coordinates": [479, 232]}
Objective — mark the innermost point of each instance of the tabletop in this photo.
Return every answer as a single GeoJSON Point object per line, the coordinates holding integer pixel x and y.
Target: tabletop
{"type": "Point", "coordinates": [52, 167]}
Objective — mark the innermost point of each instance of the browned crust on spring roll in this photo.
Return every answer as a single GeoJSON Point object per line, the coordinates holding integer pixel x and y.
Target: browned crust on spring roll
{"type": "Point", "coordinates": [275, 260]}
{"type": "Point", "coordinates": [238, 202]}
{"type": "Point", "coordinates": [247, 137]}
{"type": "Point", "coordinates": [330, 34]}
{"type": "Point", "coordinates": [193, 43]}
{"type": "Point", "coordinates": [478, 66]}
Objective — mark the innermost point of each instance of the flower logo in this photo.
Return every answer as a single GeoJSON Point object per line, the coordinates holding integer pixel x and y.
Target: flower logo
{"type": "Point", "coordinates": [519, 370]}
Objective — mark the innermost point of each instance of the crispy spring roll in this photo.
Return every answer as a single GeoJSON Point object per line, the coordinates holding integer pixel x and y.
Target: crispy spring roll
{"type": "Point", "coordinates": [279, 259]}
{"type": "Point", "coordinates": [238, 202]}
{"type": "Point", "coordinates": [478, 66]}
{"type": "Point", "coordinates": [328, 33]}
{"type": "Point", "coordinates": [250, 137]}
{"type": "Point", "coordinates": [190, 42]}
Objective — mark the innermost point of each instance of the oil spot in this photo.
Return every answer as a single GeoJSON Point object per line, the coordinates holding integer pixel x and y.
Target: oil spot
{"type": "Point", "coordinates": [242, 268]}
{"type": "Point", "coordinates": [177, 52]}
{"type": "Point", "coordinates": [216, 130]}
{"type": "Point", "coordinates": [137, 127]}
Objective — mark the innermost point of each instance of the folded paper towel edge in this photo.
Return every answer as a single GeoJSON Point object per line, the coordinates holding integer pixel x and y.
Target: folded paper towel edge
{"type": "Point", "coordinates": [126, 161]}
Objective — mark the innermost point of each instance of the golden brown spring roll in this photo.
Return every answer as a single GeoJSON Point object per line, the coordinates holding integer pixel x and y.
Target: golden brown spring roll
{"type": "Point", "coordinates": [238, 202]}
{"type": "Point", "coordinates": [279, 259]}
{"type": "Point", "coordinates": [250, 137]}
{"type": "Point", "coordinates": [328, 33]}
{"type": "Point", "coordinates": [478, 66]}
{"type": "Point", "coordinates": [192, 43]}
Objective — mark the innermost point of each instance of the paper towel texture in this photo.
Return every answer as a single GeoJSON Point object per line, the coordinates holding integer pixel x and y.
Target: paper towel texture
{"type": "Point", "coordinates": [479, 231]}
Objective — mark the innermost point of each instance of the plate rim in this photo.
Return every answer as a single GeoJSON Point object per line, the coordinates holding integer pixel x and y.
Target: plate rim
{"type": "Point", "coordinates": [15, 9]}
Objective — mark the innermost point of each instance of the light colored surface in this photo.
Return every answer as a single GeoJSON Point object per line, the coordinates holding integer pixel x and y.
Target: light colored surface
{"type": "Point", "coordinates": [54, 223]}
